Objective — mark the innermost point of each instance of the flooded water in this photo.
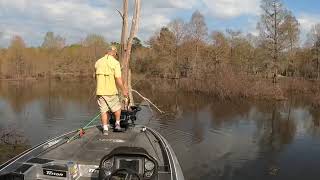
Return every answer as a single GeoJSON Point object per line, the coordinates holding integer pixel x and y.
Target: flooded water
{"type": "Point", "coordinates": [213, 140]}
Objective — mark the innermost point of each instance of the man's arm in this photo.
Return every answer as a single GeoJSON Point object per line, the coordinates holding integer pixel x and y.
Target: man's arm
{"type": "Point", "coordinates": [121, 86]}
{"type": "Point", "coordinates": [119, 80]}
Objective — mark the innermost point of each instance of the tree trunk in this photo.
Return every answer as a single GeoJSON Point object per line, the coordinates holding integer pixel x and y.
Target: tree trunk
{"type": "Point", "coordinates": [195, 71]}
{"type": "Point", "coordinates": [130, 87]}
{"type": "Point", "coordinates": [275, 41]}
{"type": "Point", "coordinates": [124, 33]}
{"type": "Point", "coordinates": [318, 64]}
{"type": "Point", "coordinates": [318, 69]}
{"type": "Point", "coordinates": [126, 44]}
{"type": "Point", "coordinates": [176, 63]}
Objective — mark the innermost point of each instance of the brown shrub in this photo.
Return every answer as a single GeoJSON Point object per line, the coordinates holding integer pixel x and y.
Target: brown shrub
{"type": "Point", "coordinates": [225, 84]}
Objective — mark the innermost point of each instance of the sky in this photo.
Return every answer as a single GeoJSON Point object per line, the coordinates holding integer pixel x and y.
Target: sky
{"type": "Point", "coordinates": [75, 19]}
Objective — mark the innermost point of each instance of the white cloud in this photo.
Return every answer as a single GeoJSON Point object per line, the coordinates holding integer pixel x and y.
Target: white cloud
{"type": "Point", "coordinates": [308, 20]}
{"type": "Point", "coordinates": [226, 9]}
{"type": "Point", "coordinates": [31, 19]}
{"type": "Point", "coordinates": [183, 4]}
{"type": "Point", "coordinates": [171, 4]}
{"type": "Point", "coordinates": [153, 23]}
{"type": "Point", "coordinates": [74, 19]}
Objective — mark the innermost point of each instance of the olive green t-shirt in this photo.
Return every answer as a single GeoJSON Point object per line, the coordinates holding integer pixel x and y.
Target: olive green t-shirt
{"type": "Point", "coordinates": [107, 69]}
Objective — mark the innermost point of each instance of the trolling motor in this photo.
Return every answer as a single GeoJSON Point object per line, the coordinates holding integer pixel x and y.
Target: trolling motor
{"type": "Point", "coordinates": [127, 118]}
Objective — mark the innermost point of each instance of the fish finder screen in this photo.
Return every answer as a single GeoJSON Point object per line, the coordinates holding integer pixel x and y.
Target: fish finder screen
{"type": "Point", "coordinates": [130, 164]}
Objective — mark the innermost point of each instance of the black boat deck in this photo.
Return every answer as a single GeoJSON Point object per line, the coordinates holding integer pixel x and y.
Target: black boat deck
{"type": "Point", "coordinates": [93, 146]}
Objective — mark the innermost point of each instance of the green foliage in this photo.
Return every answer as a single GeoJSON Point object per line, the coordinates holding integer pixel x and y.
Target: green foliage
{"type": "Point", "coordinates": [136, 43]}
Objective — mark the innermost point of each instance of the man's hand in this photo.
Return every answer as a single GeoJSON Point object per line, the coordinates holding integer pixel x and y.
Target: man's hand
{"type": "Point", "coordinates": [125, 92]}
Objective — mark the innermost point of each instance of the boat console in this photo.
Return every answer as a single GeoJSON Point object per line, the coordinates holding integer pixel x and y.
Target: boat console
{"type": "Point", "coordinates": [128, 163]}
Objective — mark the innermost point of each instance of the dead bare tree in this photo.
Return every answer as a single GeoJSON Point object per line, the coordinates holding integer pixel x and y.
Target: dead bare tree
{"type": "Point", "coordinates": [17, 57]}
{"type": "Point", "coordinates": [199, 32]}
{"type": "Point", "coordinates": [126, 42]}
{"type": "Point", "coordinates": [273, 30]}
{"type": "Point", "coordinates": [177, 27]}
{"type": "Point", "coordinates": [314, 43]}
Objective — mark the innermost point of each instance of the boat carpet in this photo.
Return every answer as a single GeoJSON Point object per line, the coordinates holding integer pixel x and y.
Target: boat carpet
{"type": "Point", "coordinates": [93, 146]}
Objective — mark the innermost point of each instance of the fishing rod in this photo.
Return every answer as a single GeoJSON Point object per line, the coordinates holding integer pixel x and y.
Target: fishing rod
{"type": "Point", "coordinates": [80, 131]}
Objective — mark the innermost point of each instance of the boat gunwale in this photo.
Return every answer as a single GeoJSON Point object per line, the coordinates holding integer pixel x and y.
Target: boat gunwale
{"type": "Point", "coordinates": [30, 150]}
{"type": "Point", "coordinates": [173, 161]}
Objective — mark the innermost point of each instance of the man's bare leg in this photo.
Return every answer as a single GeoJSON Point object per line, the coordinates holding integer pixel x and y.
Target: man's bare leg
{"type": "Point", "coordinates": [104, 120]}
{"type": "Point", "coordinates": [117, 114]}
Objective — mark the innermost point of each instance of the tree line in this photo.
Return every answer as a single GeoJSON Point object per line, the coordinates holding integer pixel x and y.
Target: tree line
{"type": "Point", "coordinates": [182, 49]}
{"type": "Point", "coordinates": [188, 49]}
{"type": "Point", "coordinates": [52, 58]}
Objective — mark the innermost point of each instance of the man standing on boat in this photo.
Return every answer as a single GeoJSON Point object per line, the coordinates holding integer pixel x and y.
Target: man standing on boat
{"type": "Point", "coordinates": [108, 77]}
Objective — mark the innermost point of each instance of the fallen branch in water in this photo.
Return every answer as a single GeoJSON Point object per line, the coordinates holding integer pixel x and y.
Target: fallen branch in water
{"type": "Point", "coordinates": [146, 99]}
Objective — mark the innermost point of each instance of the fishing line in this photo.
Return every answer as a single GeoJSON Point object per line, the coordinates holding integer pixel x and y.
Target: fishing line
{"type": "Point", "coordinates": [148, 102]}
{"type": "Point", "coordinates": [146, 99]}
{"type": "Point", "coordinates": [92, 93]}
{"type": "Point", "coordinates": [83, 128]}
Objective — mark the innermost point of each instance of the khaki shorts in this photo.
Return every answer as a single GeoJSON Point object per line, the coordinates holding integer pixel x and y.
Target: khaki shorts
{"type": "Point", "coordinates": [109, 103]}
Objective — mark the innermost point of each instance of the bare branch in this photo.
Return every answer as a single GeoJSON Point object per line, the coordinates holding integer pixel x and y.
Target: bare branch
{"type": "Point", "coordinates": [133, 32]}
{"type": "Point", "coordinates": [120, 14]}
{"type": "Point", "coordinates": [146, 99]}
{"type": "Point", "coordinates": [135, 22]}
{"type": "Point", "coordinates": [124, 32]}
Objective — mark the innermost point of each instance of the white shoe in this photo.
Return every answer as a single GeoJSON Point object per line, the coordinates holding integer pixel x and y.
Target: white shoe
{"type": "Point", "coordinates": [105, 132]}
{"type": "Point", "coordinates": [117, 127]}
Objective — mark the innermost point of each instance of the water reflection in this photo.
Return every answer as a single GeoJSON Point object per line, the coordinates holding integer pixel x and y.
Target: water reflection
{"type": "Point", "coordinates": [239, 140]}
{"type": "Point", "coordinates": [212, 139]}
{"type": "Point", "coordinates": [43, 109]}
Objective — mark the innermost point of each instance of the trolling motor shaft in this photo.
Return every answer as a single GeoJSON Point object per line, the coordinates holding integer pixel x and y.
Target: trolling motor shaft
{"type": "Point", "coordinates": [126, 103]}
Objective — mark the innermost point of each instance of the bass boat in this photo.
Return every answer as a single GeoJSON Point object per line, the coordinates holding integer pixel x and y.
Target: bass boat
{"type": "Point", "coordinates": [136, 153]}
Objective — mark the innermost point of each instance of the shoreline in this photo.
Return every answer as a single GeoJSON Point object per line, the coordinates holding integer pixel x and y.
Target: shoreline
{"type": "Point", "coordinates": [232, 88]}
